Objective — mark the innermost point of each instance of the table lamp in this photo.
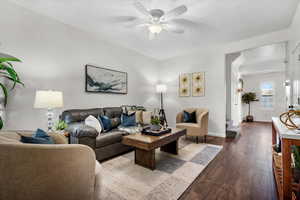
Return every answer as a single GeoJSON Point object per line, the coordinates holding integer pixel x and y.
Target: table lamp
{"type": "Point", "coordinates": [48, 99]}
{"type": "Point", "coordinates": [161, 88]}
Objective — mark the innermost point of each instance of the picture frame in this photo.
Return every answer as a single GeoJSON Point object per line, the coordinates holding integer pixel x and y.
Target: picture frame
{"type": "Point", "coordinates": [105, 80]}
{"type": "Point", "coordinates": [184, 85]}
{"type": "Point", "coordinates": [198, 84]}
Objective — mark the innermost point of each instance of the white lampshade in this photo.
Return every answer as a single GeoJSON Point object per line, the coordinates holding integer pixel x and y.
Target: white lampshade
{"type": "Point", "coordinates": [161, 88]}
{"type": "Point", "coordinates": [48, 99]}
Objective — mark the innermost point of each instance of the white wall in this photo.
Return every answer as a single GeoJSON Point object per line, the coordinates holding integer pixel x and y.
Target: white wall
{"type": "Point", "coordinates": [209, 62]}
{"type": "Point", "coordinates": [293, 72]}
{"type": "Point", "coordinates": [252, 83]}
{"type": "Point", "coordinates": [54, 56]}
{"type": "Point", "coordinates": [212, 61]}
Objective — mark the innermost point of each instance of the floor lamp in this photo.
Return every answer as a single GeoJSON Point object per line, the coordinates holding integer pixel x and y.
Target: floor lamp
{"type": "Point", "coordinates": [47, 99]}
{"type": "Point", "coordinates": [161, 88]}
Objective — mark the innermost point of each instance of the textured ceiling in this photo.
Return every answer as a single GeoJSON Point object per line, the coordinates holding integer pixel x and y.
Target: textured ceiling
{"type": "Point", "coordinates": [213, 21]}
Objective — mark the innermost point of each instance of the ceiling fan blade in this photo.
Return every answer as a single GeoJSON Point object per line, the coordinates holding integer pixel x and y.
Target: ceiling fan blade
{"type": "Point", "coordinates": [141, 8]}
{"type": "Point", "coordinates": [173, 29]}
{"type": "Point", "coordinates": [136, 23]}
{"type": "Point", "coordinates": [175, 12]}
{"type": "Point", "coordinates": [122, 19]}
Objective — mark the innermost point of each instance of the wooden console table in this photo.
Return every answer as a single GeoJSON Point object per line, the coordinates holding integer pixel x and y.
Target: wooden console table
{"type": "Point", "coordinates": [284, 178]}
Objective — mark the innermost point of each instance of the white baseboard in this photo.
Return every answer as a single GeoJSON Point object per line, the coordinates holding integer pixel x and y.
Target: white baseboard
{"type": "Point", "coordinates": [217, 134]}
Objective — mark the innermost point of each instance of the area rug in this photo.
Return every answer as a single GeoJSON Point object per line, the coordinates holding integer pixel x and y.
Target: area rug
{"type": "Point", "coordinates": [123, 180]}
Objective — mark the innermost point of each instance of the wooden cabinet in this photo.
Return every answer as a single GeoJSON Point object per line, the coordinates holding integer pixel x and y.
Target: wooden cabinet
{"type": "Point", "coordinates": [283, 175]}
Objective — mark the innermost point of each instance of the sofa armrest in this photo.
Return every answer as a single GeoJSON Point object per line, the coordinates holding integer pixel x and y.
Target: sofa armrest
{"type": "Point", "coordinates": [79, 130]}
{"type": "Point", "coordinates": [202, 120]}
{"type": "Point", "coordinates": [179, 117]}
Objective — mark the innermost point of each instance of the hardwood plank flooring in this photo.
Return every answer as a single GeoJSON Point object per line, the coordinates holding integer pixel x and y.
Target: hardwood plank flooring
{"type": "Point", "coordinates": [242, 170]}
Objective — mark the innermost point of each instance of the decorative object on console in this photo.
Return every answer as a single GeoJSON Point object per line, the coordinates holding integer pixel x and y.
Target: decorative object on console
{"type": "Point", "coordinates": [287, 119]}
{"type": "Point", "coordinates": [198, 84]}
{"type": "Point", "coordinates": [8, 72]}
{"type": "Point", "coordinates": [247, 98]}
{"type": "Point", "coordinates": [48, 99]}
{"type": "Point", "coordinates": [184, 85]}
{"type": "Point", "coordinates": [161, 88]}
{"type": "Point", "coordinates": [102, 80]}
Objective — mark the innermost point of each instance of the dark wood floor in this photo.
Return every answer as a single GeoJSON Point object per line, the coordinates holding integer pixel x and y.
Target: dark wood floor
{"type": "Point", "coordinates": [243, 170]}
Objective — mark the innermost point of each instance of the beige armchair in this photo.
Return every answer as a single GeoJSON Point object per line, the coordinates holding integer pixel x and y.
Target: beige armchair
{"type": "Point", "coordinates": [49, 172]}
{"type": "Point", "coordinates": [195, 129]}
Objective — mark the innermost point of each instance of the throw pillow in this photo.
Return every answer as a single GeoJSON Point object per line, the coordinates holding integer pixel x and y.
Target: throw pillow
{"type": "Point", "coordinates": [39, 137]}
{"type": "Point", "coordinates": [93, 122]}
{"type": "Point", "coordinates": [115, 122]}
{"type": "Point", "coordinates": [139, 117]}
{"type": "Point", "coordinates": [128, 119]}
{"type": "Point", "coordinates": [146, 117]}
{"type": "Point", "coordinates": [189, 117]}
{"type": "Point", "coordinates": [106, 123]}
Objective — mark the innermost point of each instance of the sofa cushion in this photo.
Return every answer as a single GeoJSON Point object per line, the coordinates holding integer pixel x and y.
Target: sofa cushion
{"type": "Point", "coordinates": [78, 115]}
{"type": "Point", "coordinates": [113, 112]}
{"type": "Point", "coordinates": [128, 119]}
{"type": "Point", "coordinates": [108, 138]}
{"type": "Point", "coordinates": [79, 129]}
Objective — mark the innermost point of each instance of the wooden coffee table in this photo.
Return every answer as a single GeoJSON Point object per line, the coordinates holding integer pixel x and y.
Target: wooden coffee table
{"type": "Point", "coordinates": [145, 146]}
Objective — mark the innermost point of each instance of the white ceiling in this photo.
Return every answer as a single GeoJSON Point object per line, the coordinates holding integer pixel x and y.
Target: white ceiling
{"type": "Point", "coordinates": [265, 59]}
{"type": "Point", "coordinates": [214, 21]}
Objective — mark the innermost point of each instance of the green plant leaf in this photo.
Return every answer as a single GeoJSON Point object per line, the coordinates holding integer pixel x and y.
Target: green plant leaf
{"type": "Point", "coordinates": [9, 59]}
{"type": "Point", "coordinates": [1, 123]}
{"type": "Point", "coordinates": [4, 89]}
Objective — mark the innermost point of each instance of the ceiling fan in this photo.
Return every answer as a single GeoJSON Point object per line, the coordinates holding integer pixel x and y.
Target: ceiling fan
{"type": "Point", "coordinates": [158, 20]}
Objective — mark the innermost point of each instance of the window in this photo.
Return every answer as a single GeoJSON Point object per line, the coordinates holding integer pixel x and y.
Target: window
{"type": "Point", "coordinates": [267, 95]}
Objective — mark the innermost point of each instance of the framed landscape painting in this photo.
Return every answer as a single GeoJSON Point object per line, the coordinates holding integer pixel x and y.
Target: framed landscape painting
{"type": "Point", "coordinates": [103, 80]}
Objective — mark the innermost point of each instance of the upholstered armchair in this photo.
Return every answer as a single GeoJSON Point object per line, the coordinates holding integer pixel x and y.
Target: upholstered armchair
{"type": "Point", "coordinates": [199, 129]}
{"type": "Point", "coordinates": [52, 172]}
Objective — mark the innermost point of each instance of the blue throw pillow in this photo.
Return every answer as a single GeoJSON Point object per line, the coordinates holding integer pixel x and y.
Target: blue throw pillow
{"type": "Point", "coordinates": [105, 122]}
{"type": "Point", "coordinates": [39, 137]}
{"type": "Point", "coordinates": [189, 117]}
{"type": "Point", "coordinates": [128, 119]}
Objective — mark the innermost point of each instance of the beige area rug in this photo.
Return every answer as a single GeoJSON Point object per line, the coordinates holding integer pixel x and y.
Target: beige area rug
{"type": "Point", "coordinates": [123, 180]}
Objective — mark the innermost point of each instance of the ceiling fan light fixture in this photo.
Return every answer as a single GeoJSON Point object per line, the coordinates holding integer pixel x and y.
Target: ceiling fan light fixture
{"type": "Point", "coordinates": [155, 28]}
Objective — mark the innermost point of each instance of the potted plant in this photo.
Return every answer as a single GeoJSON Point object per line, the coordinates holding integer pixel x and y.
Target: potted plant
{"type": "Point", "coordinates": [8, 72]}
{"type": "Point", "coordinates": [247, 98]}
{"type": "Point", "coordinates": [61, 126]}
{"type": "Point", "coordinates": [155, 123]}
{"type": "Point", "coordinates": [296, 158]}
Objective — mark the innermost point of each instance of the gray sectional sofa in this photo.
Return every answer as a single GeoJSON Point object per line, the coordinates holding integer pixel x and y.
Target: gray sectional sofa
{"type": "Point", "coordinates": [105, 145]}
